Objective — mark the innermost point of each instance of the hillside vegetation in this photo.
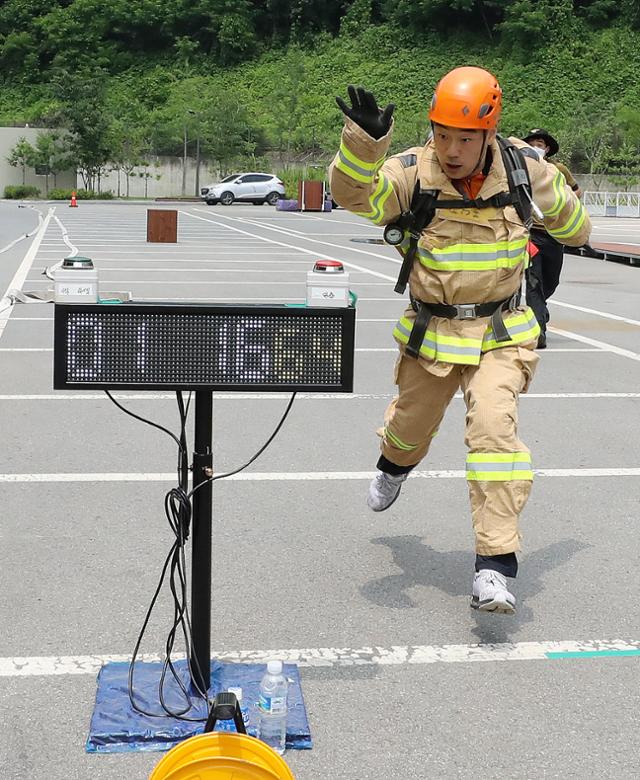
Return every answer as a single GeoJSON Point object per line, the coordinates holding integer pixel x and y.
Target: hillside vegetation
{"type": "Point", "coordinates": [129, 78]}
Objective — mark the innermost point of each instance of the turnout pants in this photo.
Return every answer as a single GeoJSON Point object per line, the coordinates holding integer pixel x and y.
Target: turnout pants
{"type": "Point", "coordinates": [499, 471]}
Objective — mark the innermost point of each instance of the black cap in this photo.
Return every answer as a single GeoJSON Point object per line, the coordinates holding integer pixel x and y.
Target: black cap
{"type": "Point", "coordinates": [546, 136]}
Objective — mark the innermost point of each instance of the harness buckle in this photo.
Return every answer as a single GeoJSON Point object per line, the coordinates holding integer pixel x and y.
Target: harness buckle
{"type": "Point", "coordinates": [465, 311]}
{"type": "Point", "coordinates": [514, 301]}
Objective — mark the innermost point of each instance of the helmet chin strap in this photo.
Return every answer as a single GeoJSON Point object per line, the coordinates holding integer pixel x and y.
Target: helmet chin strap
{"type": "Point", "coordinates": [483, 153]}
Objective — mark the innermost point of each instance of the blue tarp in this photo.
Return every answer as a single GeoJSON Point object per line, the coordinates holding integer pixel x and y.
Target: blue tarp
{"type": "Point", "coordinates": [117, 728]}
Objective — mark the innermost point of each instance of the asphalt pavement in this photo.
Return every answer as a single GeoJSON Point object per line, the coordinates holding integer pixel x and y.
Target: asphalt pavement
{"type": "Point", "coordinates": [400, 677]}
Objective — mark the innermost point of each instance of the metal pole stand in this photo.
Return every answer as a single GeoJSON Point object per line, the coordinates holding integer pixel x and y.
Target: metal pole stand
{"type": "Point", "coordinates": [201, 543]}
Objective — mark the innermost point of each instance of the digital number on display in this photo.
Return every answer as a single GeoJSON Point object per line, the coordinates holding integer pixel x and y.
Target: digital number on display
{"type": "Point", "coordinates": [213, 347]}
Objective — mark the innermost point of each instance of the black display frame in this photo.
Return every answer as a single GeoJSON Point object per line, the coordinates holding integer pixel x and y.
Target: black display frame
{"type": "Point", "coordinates": [346, 315]}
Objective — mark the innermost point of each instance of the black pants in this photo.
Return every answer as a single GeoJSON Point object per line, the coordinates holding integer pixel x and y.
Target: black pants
{"type": "Point", "coordinates": [543, 275]}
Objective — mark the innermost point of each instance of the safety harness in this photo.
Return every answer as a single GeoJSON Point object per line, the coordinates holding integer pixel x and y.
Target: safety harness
{"type": "Point", "coordinates": [424, 204]}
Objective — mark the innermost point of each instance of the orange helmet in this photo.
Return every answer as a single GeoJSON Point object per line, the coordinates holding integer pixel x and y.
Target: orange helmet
{"type": "Point", "coordinates": [469, 98]}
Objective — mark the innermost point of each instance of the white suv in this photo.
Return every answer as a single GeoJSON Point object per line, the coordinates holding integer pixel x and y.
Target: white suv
{"type": "Point", "coordinates": [247, 187]}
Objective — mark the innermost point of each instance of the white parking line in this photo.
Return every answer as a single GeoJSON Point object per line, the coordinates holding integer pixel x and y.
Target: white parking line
{"type": "Point", "coordinates": [278, 396]}
{"type": "Point", "coordinates": [394, 655]}
{"type": "Point", "coordinates": [199, 282]}
{"type": "Point", "coordinates": [23, 270]}
{"type": "Point", "coordinates": [595, 343]}
{"type": "Point", "coordinates": [309, 251]}
{"type": "Point", "coordinates": [298, 476]}
{"type": "Point", "coordinates": [357, 349]}
{"type": "Point", "coordinates": [605, 314]}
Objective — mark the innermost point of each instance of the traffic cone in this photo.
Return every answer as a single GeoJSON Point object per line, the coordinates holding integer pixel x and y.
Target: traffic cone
{"type": "Point", "coordinates": [74, 202]}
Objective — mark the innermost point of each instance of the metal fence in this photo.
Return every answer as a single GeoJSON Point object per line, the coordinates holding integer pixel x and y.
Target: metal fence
{"type": "Point", "coordinates": [612, 204]}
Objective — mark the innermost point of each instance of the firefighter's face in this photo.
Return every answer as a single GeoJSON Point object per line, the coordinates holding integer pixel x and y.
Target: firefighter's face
{"type": "Point", "coordinates": [461, 153]}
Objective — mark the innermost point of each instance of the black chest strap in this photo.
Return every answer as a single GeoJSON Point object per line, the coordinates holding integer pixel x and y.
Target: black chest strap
{"type": "Point", "coordinates": [421, 212]}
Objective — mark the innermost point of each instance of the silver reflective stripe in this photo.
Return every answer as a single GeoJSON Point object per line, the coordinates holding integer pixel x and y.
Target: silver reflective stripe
{"type": "Point", "coordinates": [447, 257]}
{"type": "Point", "coordinates": [513, 329]}
{"type": "Point", "coordinates": [429, 341]}
{"type": "Point", "coordinates": [369, 172]}
{"type": "Point", "coordinates": [477, 466]}
{"type": "Point", "coordinates": [569, 230]}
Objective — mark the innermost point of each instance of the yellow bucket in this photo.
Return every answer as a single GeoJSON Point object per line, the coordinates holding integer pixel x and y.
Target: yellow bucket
{"type": "Point", "coordinates": [222, 756]}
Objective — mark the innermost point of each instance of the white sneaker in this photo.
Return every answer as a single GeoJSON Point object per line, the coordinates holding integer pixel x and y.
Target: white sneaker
{"type": "Point", "coordinates": [383, 490]}
{"type": "Point", "coordinates": [490, 593]}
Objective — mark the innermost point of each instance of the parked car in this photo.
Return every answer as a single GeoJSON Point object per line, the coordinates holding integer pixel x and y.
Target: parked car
{"type": "Point", "coordinates": [246, 187]}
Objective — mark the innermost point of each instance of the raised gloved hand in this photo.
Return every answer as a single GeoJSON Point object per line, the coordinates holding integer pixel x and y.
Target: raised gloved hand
{"type": "Point", "coordinates": [364, 111]}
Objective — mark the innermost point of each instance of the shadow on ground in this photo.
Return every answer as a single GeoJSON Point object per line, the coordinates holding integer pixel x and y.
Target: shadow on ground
{"type": "Point", "coordinates": [451, 572]}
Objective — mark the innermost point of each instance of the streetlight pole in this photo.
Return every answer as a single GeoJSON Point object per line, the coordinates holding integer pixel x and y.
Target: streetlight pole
{"type": "Point", "coordinates": [184, 162]}
{"type": "Point", "coordinates": [197, 116]}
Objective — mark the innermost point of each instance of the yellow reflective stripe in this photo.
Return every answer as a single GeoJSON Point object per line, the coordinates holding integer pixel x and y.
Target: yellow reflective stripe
{"type": "Point", "coordinates": [453, 341]}
{"type": "Point", "coordinates": [493, 476]}
{"type": "Point", "coordinates": [354, 167]}
{"type": "Point", "coordinates": [377, 200]}
{"type": "Point", "coordinates": [499, 466]}
{"type": "Point", "coordinates": [572, 225]}
{"type": "Point", "coordinates": [346, 169]}
{"type": "Point", "coordinates": [357, 161]}
{"type": "Point", "coordinates": [519, 243]}
{"type": "Point", "coordinates": [401, 445]}
{"type": "Point", "coordinates": [522, 327]}
{"type": "Point", "coordinates": [475, 257]}
{"type": "Point", "coordinates": [499, 457]}
{"type": "Point", "coordinates": [433, 347]}
{"type": "Point", "coordinates": [561, 196]}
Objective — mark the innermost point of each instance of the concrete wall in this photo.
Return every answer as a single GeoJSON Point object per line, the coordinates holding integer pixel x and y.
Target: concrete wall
{"type": "Point", "coordinates": [590, 183]}
{"type": "Point", "coordinates": [9, 137]}
{"type": "Point", "coordinates": [164, 179]}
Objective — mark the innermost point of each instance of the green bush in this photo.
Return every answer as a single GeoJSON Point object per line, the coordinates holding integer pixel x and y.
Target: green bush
{"type": "Point", "coordinates": [19, 191]}
{"type": "Point", "coordinates": [93, 195]}
{"type": "Point", "coordinates": [60, 194]}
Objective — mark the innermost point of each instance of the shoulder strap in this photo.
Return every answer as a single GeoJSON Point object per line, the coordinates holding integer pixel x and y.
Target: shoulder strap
{"type": "Point", "coordinates": [518, 178]}
{"type": "Point", "coordinates": [421, 212]}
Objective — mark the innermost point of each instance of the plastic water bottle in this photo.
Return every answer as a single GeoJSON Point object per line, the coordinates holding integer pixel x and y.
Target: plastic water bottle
{"type": "Point", "coordinates": [272, 707]}
{"type": "Point", "coordinates": [244, 709]}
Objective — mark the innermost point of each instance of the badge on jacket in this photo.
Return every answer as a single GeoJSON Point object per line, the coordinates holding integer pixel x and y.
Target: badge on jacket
{"type": "Point", "coordinates": [476, 216]}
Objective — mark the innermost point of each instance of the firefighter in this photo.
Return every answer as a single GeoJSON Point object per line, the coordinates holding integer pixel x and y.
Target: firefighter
{"type": "Point", "coordinates": [465, 327]}
{"type": "Point", "coordinates": [543, 273]}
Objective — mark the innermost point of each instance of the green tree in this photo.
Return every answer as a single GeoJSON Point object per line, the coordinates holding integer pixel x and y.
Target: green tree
{"type": "Point", "coordinates": [82, 112]}
{"type": "Point", "coordinates": [22, 156]}
{"type": "Point", "coordinates": [53, 153]}
{"type": "Point", "coordinates": [528, 24]}
{"type": "Point", "coordinates": [19, 54]}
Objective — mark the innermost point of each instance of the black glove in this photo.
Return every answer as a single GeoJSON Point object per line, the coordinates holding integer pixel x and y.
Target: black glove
{"type": "Point", "coordinates": [365, 112]}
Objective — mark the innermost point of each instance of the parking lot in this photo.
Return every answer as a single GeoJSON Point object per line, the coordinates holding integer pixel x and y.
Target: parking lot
{"type": "Point", "coordinates": [401, 679]}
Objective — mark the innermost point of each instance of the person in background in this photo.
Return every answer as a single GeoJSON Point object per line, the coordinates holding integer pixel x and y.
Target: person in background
{"type": "Point", "coordinates": [543, 273]}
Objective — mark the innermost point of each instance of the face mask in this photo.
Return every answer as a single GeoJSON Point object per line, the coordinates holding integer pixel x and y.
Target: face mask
{"type": "Point", "coordinates": [541, 152]}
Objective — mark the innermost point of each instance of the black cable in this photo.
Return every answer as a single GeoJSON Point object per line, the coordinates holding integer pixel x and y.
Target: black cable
{"type": "Point", "coordinates": [258, 453]}
{"type": "Point", "coordinates": [178, 513]}
{"type": "Point", "coordinates": [178, 510]}
{"type": "Point", "coordinates": [142, 419]}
